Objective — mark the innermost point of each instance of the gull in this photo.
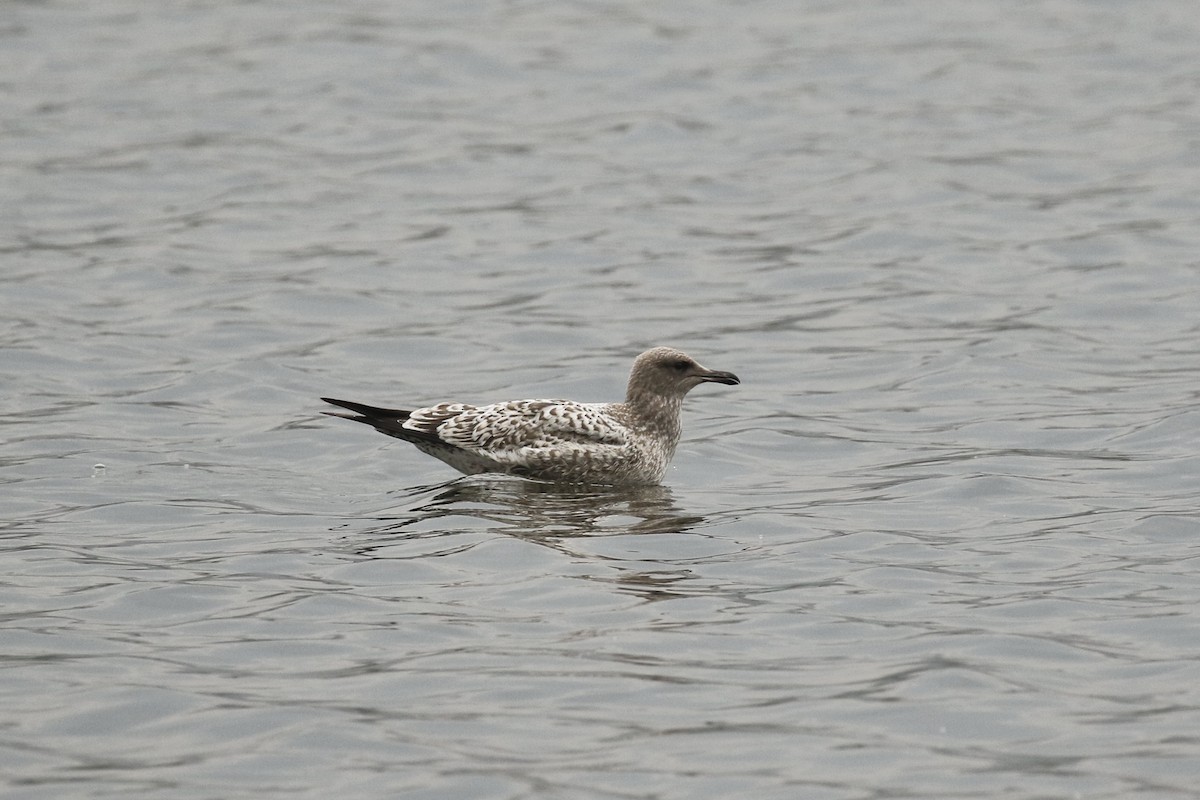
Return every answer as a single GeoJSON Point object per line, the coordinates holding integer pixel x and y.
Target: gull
{"type": "Point", "coordinates": [558, 441]}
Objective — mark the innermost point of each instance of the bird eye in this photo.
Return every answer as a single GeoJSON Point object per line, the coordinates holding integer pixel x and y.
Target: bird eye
{"type": "Point", "coordinates": [681, 365]}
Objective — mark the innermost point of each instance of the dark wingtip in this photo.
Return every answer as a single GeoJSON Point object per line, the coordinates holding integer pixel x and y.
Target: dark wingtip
{"type": "Point", "coordinates": [333, 401]}
{"type": "Point", "coordinates": [366, 410]}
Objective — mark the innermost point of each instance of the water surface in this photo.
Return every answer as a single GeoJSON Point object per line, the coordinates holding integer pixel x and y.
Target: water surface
{"type": "Point", "coordinates": [941, 542]}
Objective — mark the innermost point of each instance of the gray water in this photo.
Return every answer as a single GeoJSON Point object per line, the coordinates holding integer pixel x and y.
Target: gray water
{"type": "Point", "coordinates": [942, 542]}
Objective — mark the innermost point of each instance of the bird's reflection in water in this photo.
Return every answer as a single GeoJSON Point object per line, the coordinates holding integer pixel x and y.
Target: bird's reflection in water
{"type": "Point", "coordinates": [535, 511]}
{"type": "Point", "coordinates": [451, 516]}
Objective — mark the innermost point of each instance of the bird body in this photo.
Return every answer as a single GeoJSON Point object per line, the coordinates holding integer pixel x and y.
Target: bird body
{"type": "Point", "coordinates": [562, 441]}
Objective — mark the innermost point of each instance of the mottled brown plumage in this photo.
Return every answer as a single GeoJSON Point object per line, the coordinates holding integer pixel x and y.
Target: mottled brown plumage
{"type": "Point", "coordinates": [558, 440]}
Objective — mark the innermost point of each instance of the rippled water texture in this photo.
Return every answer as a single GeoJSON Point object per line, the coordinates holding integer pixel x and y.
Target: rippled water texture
{"type": "Point", "coordinates": [940, 543]}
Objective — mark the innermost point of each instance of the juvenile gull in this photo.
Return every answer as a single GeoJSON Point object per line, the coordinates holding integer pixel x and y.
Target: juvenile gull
{"type": "Point", "coordinates": [558, 440]}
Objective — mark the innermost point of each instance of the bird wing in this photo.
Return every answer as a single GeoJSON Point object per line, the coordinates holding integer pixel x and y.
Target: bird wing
{"type": "Point", "coordinates": [520, 431]}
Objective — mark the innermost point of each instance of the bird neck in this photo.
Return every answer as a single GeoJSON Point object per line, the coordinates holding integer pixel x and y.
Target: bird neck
{"type": "Point", "coordinates": [656, 410]}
